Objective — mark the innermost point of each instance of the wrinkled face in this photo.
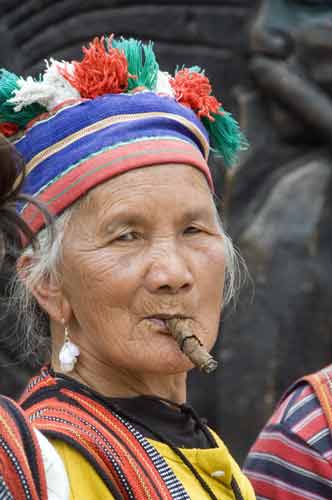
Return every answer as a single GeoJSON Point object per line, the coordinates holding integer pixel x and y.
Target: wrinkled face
{"type": "Point", "coordinates": [298, 33]}
{"type": "Point", "coordinates": [145, 245]}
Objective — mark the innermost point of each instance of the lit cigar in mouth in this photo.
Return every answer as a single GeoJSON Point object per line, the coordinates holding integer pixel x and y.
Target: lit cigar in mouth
{"type": "Point", "coordinates": [190, 345]}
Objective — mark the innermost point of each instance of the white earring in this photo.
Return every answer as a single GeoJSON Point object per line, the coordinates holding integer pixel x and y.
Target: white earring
{"type": "Point", "coordinates": [68, 354]}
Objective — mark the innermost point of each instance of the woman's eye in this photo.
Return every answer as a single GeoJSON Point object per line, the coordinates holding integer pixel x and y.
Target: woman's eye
{"type": "Point", "coordinates": [192, 230]}
{"type": "Point", "coordinates": [130, 236]}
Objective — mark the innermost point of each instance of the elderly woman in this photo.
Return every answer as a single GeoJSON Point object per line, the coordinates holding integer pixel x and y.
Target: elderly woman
{"type": "Point", "coordinates": [133, 282]}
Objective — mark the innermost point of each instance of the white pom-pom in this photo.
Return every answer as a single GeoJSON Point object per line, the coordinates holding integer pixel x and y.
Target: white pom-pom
{"type": "Point", "coordinates": [29, 91]}
{"type": "Point", "coordinates": [62, 89]}
{"type": "Point", "coordinates": [68, 356]}
{"type": "Point", "coordinates": [51, 91]}
{"type": "Point", "coordinates": [163, 86]}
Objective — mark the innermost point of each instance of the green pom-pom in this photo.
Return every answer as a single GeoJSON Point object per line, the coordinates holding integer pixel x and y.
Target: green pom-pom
{"type": "Point", "coordinates": [142, 62]}
{"type": "Point", "coordinates": [226, 138]}
{"type": "Point", "coordinates": [8, 86]}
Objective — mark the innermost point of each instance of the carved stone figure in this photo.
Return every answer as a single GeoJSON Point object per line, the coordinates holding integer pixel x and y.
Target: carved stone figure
{"type": "Point", "coordinates": [280, 215]}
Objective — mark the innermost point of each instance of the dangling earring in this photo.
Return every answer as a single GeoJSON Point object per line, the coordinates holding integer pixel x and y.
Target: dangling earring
{"type": "Point", "coordinates": [68, 354]}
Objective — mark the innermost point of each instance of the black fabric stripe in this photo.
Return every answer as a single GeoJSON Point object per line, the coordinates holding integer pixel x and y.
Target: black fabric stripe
{"type": "Point", "coordinates": [39, 396]}
{"type": "Point", "coordinates": [236, 489]}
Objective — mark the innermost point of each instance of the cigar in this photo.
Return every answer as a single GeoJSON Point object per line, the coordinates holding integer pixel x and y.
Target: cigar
{"type": "Point", "coordinates": [191, 345]}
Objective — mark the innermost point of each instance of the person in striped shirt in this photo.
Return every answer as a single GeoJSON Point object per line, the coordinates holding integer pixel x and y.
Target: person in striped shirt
{"type": "Point", "coordinates": [292, 457]}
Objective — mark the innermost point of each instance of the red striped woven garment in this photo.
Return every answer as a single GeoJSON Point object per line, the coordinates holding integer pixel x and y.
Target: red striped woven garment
{"type": "Point", "coordinates": [292, 457]}
{"type": "Point", "coordinates": [128, 464]}
{"type": "Point", "coordinates": [21, 466]}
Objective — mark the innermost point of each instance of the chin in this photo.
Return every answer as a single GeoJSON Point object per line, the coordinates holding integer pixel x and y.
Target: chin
{"type": "Point", "coordinates": [173, 363]}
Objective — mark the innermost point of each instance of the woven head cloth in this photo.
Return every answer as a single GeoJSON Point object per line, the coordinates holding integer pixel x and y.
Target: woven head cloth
{"type": "Point", "coordinates": [81, 123]}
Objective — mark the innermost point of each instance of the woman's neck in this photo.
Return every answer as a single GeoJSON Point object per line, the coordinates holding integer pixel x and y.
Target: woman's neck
{"type": "Point", "coordinates": [94, 370]}
{"type": "Point", "coordinates": [116, 382]}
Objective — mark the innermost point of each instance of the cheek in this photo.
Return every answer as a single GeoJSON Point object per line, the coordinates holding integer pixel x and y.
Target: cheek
{"type": "Point", "coordinates": [210, 282]}
{"type": "Point", "coordinates": [101, 274]}
{"type": "Point", "coordinates": [212, 267]}
{"type": "Point", "coordinates": [101, 288]}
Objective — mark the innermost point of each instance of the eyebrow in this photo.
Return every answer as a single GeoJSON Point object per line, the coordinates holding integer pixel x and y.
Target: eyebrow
{"type": "Point", "coordinates": [133, 218]}
{"type": "Point", "coordinates": [198, 213]}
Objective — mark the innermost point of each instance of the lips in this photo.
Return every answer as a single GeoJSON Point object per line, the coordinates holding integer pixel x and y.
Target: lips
{"type": "Point", "coordinates": [160, 320]}
{"type": "Point", "coordinates": [167, 316]}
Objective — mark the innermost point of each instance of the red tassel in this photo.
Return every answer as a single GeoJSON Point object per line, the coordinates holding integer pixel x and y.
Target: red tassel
{"type": "Point", "coordinates": [100, 72]}
{"type": "Point", "coordinates": [193, 89]}
{"type": "Point", "coordinates": [8, 129]}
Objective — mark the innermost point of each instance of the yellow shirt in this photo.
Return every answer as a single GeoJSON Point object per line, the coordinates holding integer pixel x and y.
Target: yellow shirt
{"type": "Point", "coordinates": [215, 465]}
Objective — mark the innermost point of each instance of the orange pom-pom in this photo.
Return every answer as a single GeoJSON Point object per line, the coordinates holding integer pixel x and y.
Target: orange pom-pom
{"type": "Point", "coordinates": [100, 72]}
{"type": "Point", "coordinates": [8, 129]}
{"type": "Point", "coordinates": [193, 89]}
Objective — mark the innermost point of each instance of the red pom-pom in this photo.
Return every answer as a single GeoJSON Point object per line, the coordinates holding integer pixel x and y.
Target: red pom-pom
{"type": "Point", "coordinates": [193, 89]}
{"type": "Point", "coordinates": [100, 72]}
{"type": "Point", "coordinates": [8, 128]}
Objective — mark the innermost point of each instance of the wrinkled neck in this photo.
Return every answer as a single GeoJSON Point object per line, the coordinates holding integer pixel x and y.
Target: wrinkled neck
{"type": "Point", "coordinates": [116, 382]}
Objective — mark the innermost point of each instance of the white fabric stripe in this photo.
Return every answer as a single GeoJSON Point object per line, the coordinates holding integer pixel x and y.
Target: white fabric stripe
{"type": "Point", "coordinates": [323, 433]}
{"type": "Point", "coordinates": [278, 436]}
{"type": "Point", "coordinates": [299, 405]}
{"type": "Point", "coordinates": [307, 420]}
{"type": "Point", "coordinates": [328, 455]}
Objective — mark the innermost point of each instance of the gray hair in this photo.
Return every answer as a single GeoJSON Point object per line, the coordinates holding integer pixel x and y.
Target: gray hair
{"type": "Point", "coordinates": [45, 259]}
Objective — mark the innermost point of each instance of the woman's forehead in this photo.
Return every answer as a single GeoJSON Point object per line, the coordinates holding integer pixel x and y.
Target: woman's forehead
{"type": "Point", "coordinates": [181, 183]}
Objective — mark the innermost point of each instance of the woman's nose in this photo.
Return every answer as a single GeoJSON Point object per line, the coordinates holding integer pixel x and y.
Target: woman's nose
{"type": "Point", "coordinates": [270, 32]}
{"type": "Point", "coordinates": [168, 271]}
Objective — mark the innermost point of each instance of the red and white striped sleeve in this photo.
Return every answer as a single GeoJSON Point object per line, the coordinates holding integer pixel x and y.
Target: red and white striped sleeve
{"type": "Point", "coordinates": [292, 457]}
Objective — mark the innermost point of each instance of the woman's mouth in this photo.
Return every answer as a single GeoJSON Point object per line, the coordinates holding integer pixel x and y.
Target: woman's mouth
{"type": "Point", "coordinates": [160, 321]}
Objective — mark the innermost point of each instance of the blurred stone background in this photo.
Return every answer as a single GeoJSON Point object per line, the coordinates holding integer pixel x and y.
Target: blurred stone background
{"type": "Point", "coordinates": [276, 204]}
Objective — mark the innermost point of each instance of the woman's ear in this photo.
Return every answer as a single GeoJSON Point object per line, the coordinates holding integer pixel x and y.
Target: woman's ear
{"type": "Point", "coordinates": [47, 291]}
